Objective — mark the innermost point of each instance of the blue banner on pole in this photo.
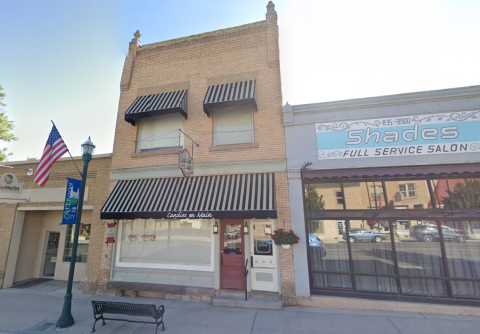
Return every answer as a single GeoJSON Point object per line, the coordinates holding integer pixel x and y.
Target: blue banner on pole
{"type": "Point", "coordinates": [70, 207]}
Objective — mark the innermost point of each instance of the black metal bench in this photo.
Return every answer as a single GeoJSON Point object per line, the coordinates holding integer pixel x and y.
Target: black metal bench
{"type": "Point", "coordinates": [130, 309]}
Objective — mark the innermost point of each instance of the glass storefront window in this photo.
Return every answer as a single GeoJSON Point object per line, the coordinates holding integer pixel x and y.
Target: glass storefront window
{"type": "Point", "coordinates": [456, 193]}
{"type": "Point", "coordinates": [463, 250]}
{"type": "Point", "coordinates": [262, 242]}
{"type": "Point", "coordinates": [407, 195]}
{"type": "Point", "coordinates": [83, 242]}
{"type": "Point", "coordinates": [364, 195]}
{"type": "Point", "coordinates": [323, 196]}
{"type": "Point", "coordinates": [181, 241]}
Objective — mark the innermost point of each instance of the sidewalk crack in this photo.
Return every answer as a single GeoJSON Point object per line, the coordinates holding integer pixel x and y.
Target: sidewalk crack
{"type": "Point", "coordinates": [394, 325]}
{"type": "Point", "coordinates": [254, 319]}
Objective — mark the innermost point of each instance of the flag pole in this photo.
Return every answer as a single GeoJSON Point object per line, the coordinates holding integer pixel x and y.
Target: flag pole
{"type": "Point", "coordinates": [68, 151]}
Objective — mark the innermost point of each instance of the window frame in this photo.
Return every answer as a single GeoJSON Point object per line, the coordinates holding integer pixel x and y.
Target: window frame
{"type": "Point", "coordinates": [142, 120]}
{"type": "Point", "coordinates": [214, 125]}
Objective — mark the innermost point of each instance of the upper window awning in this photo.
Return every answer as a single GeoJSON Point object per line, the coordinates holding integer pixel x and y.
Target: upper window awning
{"type": "Point", "coordinates": [158, 104]}
{"type": "Point", "coordinates": [243, 196]}
{"type": "Point", "coordinates": [231, 94]}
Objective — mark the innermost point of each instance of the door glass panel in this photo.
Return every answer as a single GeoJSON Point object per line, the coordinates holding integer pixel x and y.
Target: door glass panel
{"type": "Point", "coordinates": [420, 254]}
{"type": "Point", "coordinates": [51, 254]}
{"type": "Point", "coordinates": [262, 242]}
{"type": "Point", "coordinates": [462, 245]}
{"type": "Point", "coordinates": [327, 250]}
{"type": "Point", "coordinates": [371, 247]}
{"type": "Point", "coordinates": [232, 239]}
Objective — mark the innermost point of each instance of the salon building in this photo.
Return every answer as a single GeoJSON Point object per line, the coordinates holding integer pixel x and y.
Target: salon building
{"type": "Point", "coordinates": [33, 243]}
{"type": "Point", "coordinates": [188, 229]}
{"type": "Point", "coordinates": [386, 192]}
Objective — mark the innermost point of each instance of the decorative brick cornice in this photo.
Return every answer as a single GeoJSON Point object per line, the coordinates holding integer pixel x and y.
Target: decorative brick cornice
{"type": "Point", "coordinates": [208, 37]}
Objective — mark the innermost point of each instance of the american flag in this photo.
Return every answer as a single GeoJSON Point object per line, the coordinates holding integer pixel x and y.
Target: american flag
{"type": "Point", "coordinates": [54, 149]}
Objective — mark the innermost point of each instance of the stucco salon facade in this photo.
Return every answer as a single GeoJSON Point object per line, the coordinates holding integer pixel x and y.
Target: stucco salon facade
{"type": "Point", "coordinates": [390, 187]}
{"type": "Point", "coordinates": [33, 243]}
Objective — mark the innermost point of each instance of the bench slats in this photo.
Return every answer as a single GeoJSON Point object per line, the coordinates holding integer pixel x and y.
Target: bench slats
{"type": "Point", "coordinates": [130, 309]}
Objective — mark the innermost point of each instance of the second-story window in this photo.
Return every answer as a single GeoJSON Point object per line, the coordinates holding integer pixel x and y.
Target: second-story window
{"type": "Point", "coordinates": [160, 133]}
{"type": "Point", "coordinates": [233, 125]}
{"type": "Point", "coordinates": [408, 190]}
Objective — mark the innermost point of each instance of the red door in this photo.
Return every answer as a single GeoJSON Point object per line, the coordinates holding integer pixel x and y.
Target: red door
{"type": "Point", "coordinates": [232, 255]}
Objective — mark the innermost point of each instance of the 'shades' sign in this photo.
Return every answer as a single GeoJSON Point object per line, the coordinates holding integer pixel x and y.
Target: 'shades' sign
{"type": "Point", "coordinates": [185, 163]}
{"type": "Point", "coordinates": [9, 183]}
{"type": "Point", "coordinates": [445, 133]}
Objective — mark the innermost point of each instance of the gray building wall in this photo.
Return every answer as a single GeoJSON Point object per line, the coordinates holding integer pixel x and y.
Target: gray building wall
{"type": "Point", "coordinates": [301, 145]}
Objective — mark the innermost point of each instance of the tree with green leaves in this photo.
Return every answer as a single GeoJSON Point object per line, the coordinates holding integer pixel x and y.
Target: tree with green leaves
{"type": "Point", "coordinates": [6, 127]}
{"type": "Point", "coordinates": [313, 201]}
{"type": "Point", "coordinates": [464, 195]}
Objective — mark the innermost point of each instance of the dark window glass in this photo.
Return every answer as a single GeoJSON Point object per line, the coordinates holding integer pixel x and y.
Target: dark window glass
{"type": "Point", "coordinates": [424, 287]}
{"type": "Point", "coordinates": [328, 251]}
{"type": "Point", "coordinates": [376, 284]}
{"type": "Point", "coordinates": [321, 280]}
{"type": "Point", "coordinates": [463, 248]}
{"type": "Point", "coordinates": [466, 289]}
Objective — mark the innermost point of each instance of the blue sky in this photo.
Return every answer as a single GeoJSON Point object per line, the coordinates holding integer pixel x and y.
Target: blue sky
{"type": "Point", "coordinates": [62, 60]}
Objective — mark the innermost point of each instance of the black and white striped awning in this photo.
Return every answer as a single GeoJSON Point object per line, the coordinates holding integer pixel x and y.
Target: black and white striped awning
{"type": "Point", "coordinates": [231, 94]}
{"type": "Point", "coordinates": [158, 104]}
{"type": "Point", "coordinates": [244, 196]}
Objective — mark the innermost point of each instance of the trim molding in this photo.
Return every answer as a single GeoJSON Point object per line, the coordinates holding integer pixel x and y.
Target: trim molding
{"type": "Point", "coordinates": [278, 165]}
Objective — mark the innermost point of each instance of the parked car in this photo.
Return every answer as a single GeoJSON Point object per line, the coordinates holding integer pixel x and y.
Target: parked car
{"type": "Point", "coordinates": [429, 233]}
{"type": "Point", "coordinates": [314, 241]}
{"type": "Point", "coordinates": [361, 234]}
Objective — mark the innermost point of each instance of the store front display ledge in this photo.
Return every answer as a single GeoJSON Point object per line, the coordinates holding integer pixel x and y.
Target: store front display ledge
{"type": "Point", "coordinates": [135, 287]}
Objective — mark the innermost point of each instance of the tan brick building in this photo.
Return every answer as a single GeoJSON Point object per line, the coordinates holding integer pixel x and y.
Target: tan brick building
{"type": "Point", "coordinates": [218, 96]}
{"type": "Point", "coordinates": [33, 244]}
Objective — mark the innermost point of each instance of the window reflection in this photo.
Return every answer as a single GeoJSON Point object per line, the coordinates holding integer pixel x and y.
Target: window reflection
{"type": "Point", "coordinates": [232, 243]}
{"type": "Point", "coordinates": [186, 242]}
{"type": "Point", "coordinates": [413, 194]}
{"type": "Point", "coordinates": [323, 196]}
{"type": "Point", "coordinates": [456, 193]}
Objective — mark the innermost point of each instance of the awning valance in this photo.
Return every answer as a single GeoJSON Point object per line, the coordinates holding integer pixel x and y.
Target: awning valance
{"type": "Point", "coordinates": [231, 94]}
{"type": "Point", "coordinates": [158, 104]}
{"type": "Point", "coordinates": [244, 196]}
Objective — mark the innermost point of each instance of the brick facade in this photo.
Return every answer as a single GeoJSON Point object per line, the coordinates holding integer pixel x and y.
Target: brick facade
{"type": "Point", "coordinates": [195, 62]}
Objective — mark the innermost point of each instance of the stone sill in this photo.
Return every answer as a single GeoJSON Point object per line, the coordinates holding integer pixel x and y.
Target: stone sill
{"type": "Point", "coordinates": [154, 153]}
{"type": "Point", "coordinates": [233, 147]}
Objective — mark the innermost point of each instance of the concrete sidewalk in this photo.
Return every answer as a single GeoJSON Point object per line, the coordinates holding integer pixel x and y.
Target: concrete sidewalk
{"type": "Point", "coordinates": [35, 310]}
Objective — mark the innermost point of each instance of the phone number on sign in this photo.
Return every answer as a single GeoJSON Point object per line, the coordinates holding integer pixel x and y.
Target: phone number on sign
{"type": "Point", "coordinates": [396, 121]}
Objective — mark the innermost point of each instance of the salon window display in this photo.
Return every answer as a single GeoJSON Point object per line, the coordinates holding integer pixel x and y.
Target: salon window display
{"type": "Point", "coordinates": [157, 241]}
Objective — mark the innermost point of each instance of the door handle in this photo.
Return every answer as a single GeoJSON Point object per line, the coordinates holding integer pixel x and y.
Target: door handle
{"type": "Point", "coordinates": [221, 260]}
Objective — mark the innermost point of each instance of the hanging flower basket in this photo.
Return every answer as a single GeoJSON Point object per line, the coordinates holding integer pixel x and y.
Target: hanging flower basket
{"type": "Point", "coordinates": [284, 238]}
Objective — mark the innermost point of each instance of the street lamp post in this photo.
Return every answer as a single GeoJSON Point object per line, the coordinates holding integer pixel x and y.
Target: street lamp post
{"type": "Point", "coordinates": [66, 318]}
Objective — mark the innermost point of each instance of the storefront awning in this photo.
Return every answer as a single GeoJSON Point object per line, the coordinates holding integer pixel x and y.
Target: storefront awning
{"type": "Point", "coordinates": [158, 104]}
{"type": "Point", "coordinates": [231, 94]}
{"type": "Point", "coordinates": [243, 196]}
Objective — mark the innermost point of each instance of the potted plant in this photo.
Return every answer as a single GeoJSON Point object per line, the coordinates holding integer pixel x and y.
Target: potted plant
{"type": "Point", "coordinates": [284, 238]}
